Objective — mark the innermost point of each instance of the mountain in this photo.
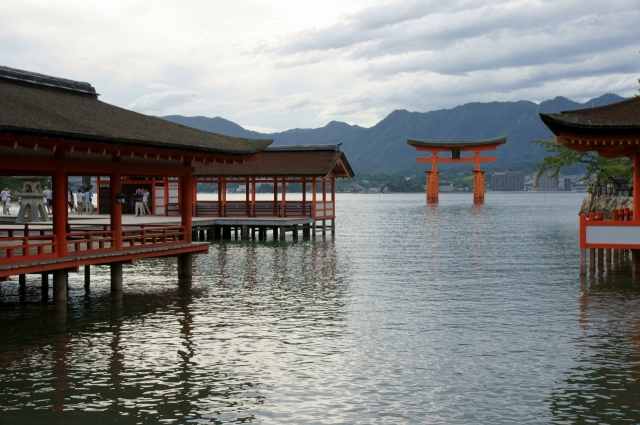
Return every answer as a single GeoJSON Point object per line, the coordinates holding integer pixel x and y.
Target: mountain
{"type": "Point", "coordinates": [383, 147]}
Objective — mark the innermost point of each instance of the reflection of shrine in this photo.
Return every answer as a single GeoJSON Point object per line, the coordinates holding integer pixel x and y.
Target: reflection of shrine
{"type": "Point", "coordinates": [603, 386]}
{"type": "Point", "coordinates": [435, 148]}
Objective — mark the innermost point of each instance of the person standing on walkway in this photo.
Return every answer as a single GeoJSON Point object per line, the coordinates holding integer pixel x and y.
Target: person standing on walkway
{"type": "Point", "coordinates": [6, 205]}
{"type": "Point", "coordinates": [48, 199]}
{"type": "Point", "coordinates": [70, 201]}
{"type": "Point", "coordinates": [145, 201]}
{"type": "Point", "coordinates": [79, 201]}
{"type": "Point", "coordinates": [88, 201]}
{"type": "Point", "coordinates": [137, 200]}
{"type": "Point", "coordinates": [5, 192]}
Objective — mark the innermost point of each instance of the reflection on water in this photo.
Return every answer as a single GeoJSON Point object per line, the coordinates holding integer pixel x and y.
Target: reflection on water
{"type": "Point", "coordinates": [412, 313]}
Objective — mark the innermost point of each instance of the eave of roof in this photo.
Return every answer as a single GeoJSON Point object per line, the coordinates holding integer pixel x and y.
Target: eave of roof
{"type": "Point", "coordinates": [616, 119]}
{"type": "Point", "coordinates": [456, 143]}
{"type": "Point", "coordinates": [298, 161]}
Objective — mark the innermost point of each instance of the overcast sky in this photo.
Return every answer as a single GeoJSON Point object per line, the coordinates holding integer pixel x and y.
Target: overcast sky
{"type": "Point", "coordinates": [273, 65]}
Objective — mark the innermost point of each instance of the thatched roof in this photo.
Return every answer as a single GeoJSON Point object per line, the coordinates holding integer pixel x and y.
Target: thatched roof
{"type": "Point", "coordinates": [286, 161]}
{"type": "Point", "coordinates": [39, 105]}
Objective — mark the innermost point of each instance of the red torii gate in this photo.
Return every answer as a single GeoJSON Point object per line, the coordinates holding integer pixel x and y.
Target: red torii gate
{"type": "Point", "coordinates": [456, 147]}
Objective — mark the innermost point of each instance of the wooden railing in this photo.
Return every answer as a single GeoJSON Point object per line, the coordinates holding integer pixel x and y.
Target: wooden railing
{"type": "Point", "coordinates": [90, 241]}
{"type": "Point", "coordinates": [27, 248]}
{"type": "Point", "coordinates": [24, 244]}
{"type": "Point", "coordinates": [148, 235]}
{"type": "Point", "coordinates": [263, 209]}
{"type": "Point", "coordinates": [620, 232]}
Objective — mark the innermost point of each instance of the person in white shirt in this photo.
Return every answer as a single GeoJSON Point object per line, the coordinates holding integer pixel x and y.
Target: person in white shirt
{"type": "Point", "coordinates": [145, 202]}
{"type": "Point", "coordinates": [79, 201]}
{"type": "Point", "coordinates": [5, 192]}
{"type": "Point", "coordinates": [48, 199]}
{"type": "Point", "coordinates": [7, 205]}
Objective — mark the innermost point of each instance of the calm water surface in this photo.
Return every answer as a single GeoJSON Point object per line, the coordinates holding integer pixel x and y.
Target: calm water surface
{"type": "Point", "coordinates": [447, 314]}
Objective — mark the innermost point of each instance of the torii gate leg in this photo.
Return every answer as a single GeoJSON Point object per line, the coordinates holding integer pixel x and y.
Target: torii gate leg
{"type": "Point", "coordinates": [478, 187]}
{"type": "Point", "coordinates": [432, 187]}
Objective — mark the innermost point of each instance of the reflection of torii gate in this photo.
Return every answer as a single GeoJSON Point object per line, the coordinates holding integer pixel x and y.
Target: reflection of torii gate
{"type": "Point", "coordinates": [456, 147]}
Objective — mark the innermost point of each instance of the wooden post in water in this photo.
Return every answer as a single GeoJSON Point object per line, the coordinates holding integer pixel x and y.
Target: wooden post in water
{"type": "Point", "coordinates": [185, 265]}
{"type": "Point", "coordinates": [116, 277]}
{"type": "Point", "coordinates": [60, 285]}
{"type": "Point", "coordinates": [635, 262]}
{"type": "Point", "coordinates": [583, 261]}
{"type": "Point", "coordinates": [600, 259]}
{"type": "Point", "coordinates": [282, 233]}
{"type": "Point", "coordinates": [87, 278]}
{"type": "Point", "coordinates": [592, 259]}
{"type": "Point", "coordinates": [244, 232]}
{"type": "Point", "coordinates": [22, 280]}
{"type": "Point", "coordinates": [45, 287]}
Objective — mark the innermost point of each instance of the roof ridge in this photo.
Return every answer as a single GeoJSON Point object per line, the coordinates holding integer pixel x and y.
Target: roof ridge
{"type": "Point", "coordinates": [49, 81]}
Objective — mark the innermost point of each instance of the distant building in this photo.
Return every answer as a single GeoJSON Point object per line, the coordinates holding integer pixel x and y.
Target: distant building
{"type": "Point", "coordinates": [566, 184]}
{"type": "Point", "coordinates": [508, 181]}
{"type": "Point", "coordinates": [449, 188]}
{"type": "Point", "coordinates": [546, 184]}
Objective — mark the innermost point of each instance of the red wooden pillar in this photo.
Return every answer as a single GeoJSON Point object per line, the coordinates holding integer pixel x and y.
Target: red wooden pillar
{"type": "Point", "coordinates": [247, 198]}
{"type": "Point", "coordinates": [223, 192]}
{"type": "Point", "coordinates": [115, 217]}
{"type": "Point", "coordinates": [478, 187]}
{"type": "Point", "coordinates": [187, 204]}
{"type": "Point", "coordinates": [333, 198]}
{"type": "Point", "coordinates": [284, 197]}
{"type": "Point", "coordinates": [194, 195]}
{"type": "Point", "coordinates": [314, 197]}
{"type": "Point", "coordinates": [324, 197]}
{"type": "Point", "coordinates": [636, 187]}
{"type": "Point", "coordinates": [253, 196]}
{"type": "Point", "coordinates": [432, 187]}
{"type": "Point", "coordinates": [60, 209]}
{"type": "Point", "coordinates": [304, 195]}
{"type": "Point", "coordinates": [275, 196]}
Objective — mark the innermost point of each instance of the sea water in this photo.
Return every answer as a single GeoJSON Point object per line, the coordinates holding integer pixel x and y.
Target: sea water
{"type": "Point", "coordinates": [411, 313]}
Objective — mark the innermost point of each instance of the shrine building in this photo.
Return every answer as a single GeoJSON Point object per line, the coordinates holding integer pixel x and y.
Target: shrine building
{"type": "Point", "coordinates": [54, 127]}
{"type": "Point", "coordinates": [612, 131]}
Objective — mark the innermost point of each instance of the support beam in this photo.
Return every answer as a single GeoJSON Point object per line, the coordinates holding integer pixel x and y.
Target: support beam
{"type": "Point", "coordinates": [187, 202]}
{"type": "Point", "coordinates": [116, 277]}
{"type": "Point", "coordinates": [60, 284]}
{"type": "Point", "coordinates": [60, 209]}
{"type": "Point", "coordinates": [281, 230]}
{"type": "Point", "coordinates": [583, 261]}
{"type": "Point", "coordinates": [87, 278]}
{"type": "Point", "coordinates": [185, 265]}
{"type": "Point", "coordinates": [115, 218]}
{"type": "Point", "coordinates": [44, 288]}
{"type": "Point", "coordinates": [600, 258]}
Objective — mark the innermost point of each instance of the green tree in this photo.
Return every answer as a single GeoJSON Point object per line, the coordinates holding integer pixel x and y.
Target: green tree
{"type": "Point", "coordinates": [599, 169]}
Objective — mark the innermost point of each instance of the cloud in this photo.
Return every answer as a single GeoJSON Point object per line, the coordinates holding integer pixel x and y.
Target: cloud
{"type": "Point", "coordinates": [161, 102]}
{"type": "Point", "coordinates": [288, 64]}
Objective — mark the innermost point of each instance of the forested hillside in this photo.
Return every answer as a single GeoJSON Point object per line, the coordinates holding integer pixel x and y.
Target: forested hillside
{"type": "Point", "coordinates": [383, 148]}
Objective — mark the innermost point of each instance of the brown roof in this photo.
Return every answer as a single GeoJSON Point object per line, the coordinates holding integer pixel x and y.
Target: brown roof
{"type": "Point", "coordinates": [616, 119]}
{"type": "Point", "coordinates": [286, 161]}
{"type": "Point", "coordinates": [38, 105]}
